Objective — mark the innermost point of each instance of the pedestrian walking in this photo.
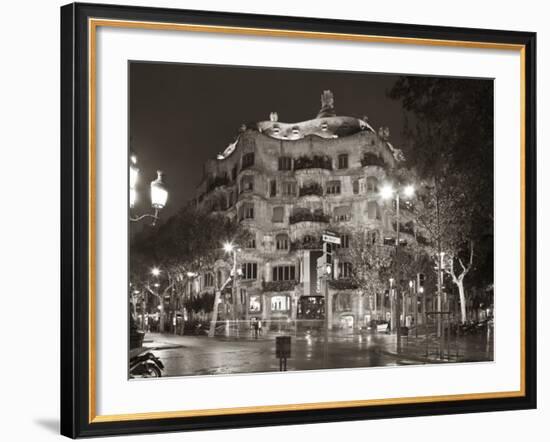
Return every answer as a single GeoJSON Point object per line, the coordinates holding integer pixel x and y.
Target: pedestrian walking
{"type": "Point", "coordinates": [260, 327]}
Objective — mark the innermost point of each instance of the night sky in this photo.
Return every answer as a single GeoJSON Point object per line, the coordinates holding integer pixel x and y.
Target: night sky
{"type": "Point", "coordinates": [181, 115]}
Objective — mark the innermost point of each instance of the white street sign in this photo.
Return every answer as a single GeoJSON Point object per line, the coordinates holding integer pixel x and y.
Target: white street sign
{"type": "Point", "coordinates": [331, 239]}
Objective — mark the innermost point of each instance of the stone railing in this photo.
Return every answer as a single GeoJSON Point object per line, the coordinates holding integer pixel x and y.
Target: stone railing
{"type": "Point", "coordinates": [308, 216]}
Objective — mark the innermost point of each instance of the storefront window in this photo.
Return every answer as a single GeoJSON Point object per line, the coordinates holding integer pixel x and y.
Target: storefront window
{"type": "Point", "coordinates": [280, 303]}
{"type": "Point", "coordinates": [255, 304]}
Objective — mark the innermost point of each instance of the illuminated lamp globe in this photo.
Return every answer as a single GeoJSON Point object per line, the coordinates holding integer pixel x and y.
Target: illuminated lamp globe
{"type": "Point", "coordinates": [159, 194]}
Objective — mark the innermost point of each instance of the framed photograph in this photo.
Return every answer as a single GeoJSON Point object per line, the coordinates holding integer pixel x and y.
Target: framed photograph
{"type": "Point", "coordinates": [281, 220]}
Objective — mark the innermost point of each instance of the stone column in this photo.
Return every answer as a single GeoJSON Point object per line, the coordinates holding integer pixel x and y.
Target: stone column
{"type": "Point", "coordinates": [264, 299]}
{"type": "Point", "coordinates": [305, 273]}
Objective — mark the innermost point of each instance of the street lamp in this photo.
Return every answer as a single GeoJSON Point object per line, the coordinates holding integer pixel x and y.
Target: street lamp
{"type": "Point", "coordinates": [155, 271]}
{"type": "Point", "coordinates": [159, 193]}
{"type": "Point", "coordinates": [387, 192]}
{"type": "Point", "coordinates": [230, 248]}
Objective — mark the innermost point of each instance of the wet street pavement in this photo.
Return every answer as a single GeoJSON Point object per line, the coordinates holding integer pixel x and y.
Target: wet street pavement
{"type": "Point", "coordinates": [200, 355]}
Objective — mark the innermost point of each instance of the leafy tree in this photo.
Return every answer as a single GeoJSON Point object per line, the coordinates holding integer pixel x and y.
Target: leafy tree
{"type": "Point", "coordinates": [450, 148]}
{"type": "Point", "coordinates": [189, 243]}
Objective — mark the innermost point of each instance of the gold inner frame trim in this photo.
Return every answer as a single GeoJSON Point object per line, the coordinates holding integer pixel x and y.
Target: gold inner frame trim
{"type": "Point", "coordinates": [93, 24]}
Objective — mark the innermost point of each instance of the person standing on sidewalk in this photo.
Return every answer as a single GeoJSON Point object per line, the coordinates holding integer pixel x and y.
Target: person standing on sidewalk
{"type": "Point", "coordinates": [260, 327]}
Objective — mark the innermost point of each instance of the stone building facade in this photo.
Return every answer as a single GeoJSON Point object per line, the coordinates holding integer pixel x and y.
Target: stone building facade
{"type": "Point", "coordinates": [288, 183]}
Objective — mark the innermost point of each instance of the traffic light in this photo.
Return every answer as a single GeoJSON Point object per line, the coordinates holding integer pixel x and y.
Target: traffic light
{"type": "Point", "coordinates": [421, 281]}
{"type": "Point", "coordinates": [327, 252]}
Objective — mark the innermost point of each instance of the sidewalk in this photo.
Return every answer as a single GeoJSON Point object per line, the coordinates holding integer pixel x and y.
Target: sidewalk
{"type": "Point", "coordinates": [459, 349]}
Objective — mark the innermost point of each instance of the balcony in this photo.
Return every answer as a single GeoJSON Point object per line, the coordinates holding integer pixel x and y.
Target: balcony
{"type": "Point", "coordinates": [304, 216]}
{"type": "Point", "coordinates": [342, 284]}
{"type": "Point", "coordinates": [219, 181]}
{"type": "Point", "coordinates": [370, 159]}
{"type": "Point", "coordinates": [316, 244]}
{"type": "Point", "coordinates": [315, 162]}
{"type": "Point", "coordinates": [279, 286]}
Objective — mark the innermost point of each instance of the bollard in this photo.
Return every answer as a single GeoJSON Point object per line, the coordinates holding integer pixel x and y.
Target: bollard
{"type": "Point", "coordinates": [282, 350]}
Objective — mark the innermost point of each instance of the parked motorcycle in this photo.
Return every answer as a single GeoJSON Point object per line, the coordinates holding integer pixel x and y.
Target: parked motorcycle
{"type": "Point", "coordinates": [145, 365]}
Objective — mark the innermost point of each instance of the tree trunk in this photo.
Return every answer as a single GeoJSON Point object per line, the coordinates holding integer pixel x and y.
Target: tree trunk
{"type": "Point", "coordinates": [460, 285]}
{"type": "Point", "coordinates": [161, 316]}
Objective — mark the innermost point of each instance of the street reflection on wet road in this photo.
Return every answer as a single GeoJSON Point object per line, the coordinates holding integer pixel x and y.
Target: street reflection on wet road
{"type": "Point", "coordinates": [200, 355]}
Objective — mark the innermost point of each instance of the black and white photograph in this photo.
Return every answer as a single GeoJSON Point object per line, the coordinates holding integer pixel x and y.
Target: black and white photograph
{"type": "Point", "coordinates": [287, 219]}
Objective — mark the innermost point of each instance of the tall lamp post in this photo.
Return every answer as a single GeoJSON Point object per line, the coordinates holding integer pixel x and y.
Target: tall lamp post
{"type": "Point", "coordinates": [387, 192]}
{"type": "Point", "coordinates": [159, 193]}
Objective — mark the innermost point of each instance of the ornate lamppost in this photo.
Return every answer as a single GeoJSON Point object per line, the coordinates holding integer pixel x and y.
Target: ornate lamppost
{"type": "Point", "coordinates": [388, 192]}
{"type": "Point", "coordinates": [159, 192]}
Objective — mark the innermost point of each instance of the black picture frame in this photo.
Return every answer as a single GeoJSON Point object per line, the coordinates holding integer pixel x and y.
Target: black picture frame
{"type": "Point", "coordinates": [76, 418]}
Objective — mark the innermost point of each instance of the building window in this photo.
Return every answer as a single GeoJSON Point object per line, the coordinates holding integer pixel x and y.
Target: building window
{"type": "Point", "coordinates": [282, 241]}
{"type": "Point", "coordinates": [333, 187]}
{"type": "Point", "coordinates": [246, 211]}
{"type": "Point", "coordinates": [255, 304]}
{"type": "Point", "coordinates": [280, 304]}
{"type": "Point", "coordinates": [343, 161]}
{"type": "Point", "coordinates": [247, 184]}
{"type": "Point", "coordinates": [278, 214]}
{"type": "Point", "coordinates": [285, 163]}
{"type": "Point", "coordinates": [250, 270]}
{"type": "Point", "coordinates": [308, 239]}
{"type": "Point", "coordinates": [251, 243]}
{"type": "Point", "coordinates": [289, 188]}
{"type": "Point", "coordinates": [272, 188]}
{"type": "Point", "coordinates": [344, 269]}
{"type": "Point", "coordinates": [243, 296]}
{"type": "Point", "coordinates": [373, 211]}
{"type": "Point", "coordinates": [219, 281]}
{"type": "Point", "coordinates": [234, 173]}
{"type": "Point", "coordinates": [208, 280]}
{"type": "Point", "coordinates": [342, 213]}
{"type": "Point", "coordinates": [372, 184]}
{"type": "Point", "coordinates": [284, 273]}
{"type": "Point", "coordinates": [356, 186]}
{"type": "Point", "coordinates": [248, 160]}
{"type": "Point", "coordinates": [344, 241]}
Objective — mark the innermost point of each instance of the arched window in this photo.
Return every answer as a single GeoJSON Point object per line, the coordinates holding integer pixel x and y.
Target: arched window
{"type": "Point", "coordinates": [208, 280]}
{"type": "Point", "coordinates": [282, 241]}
